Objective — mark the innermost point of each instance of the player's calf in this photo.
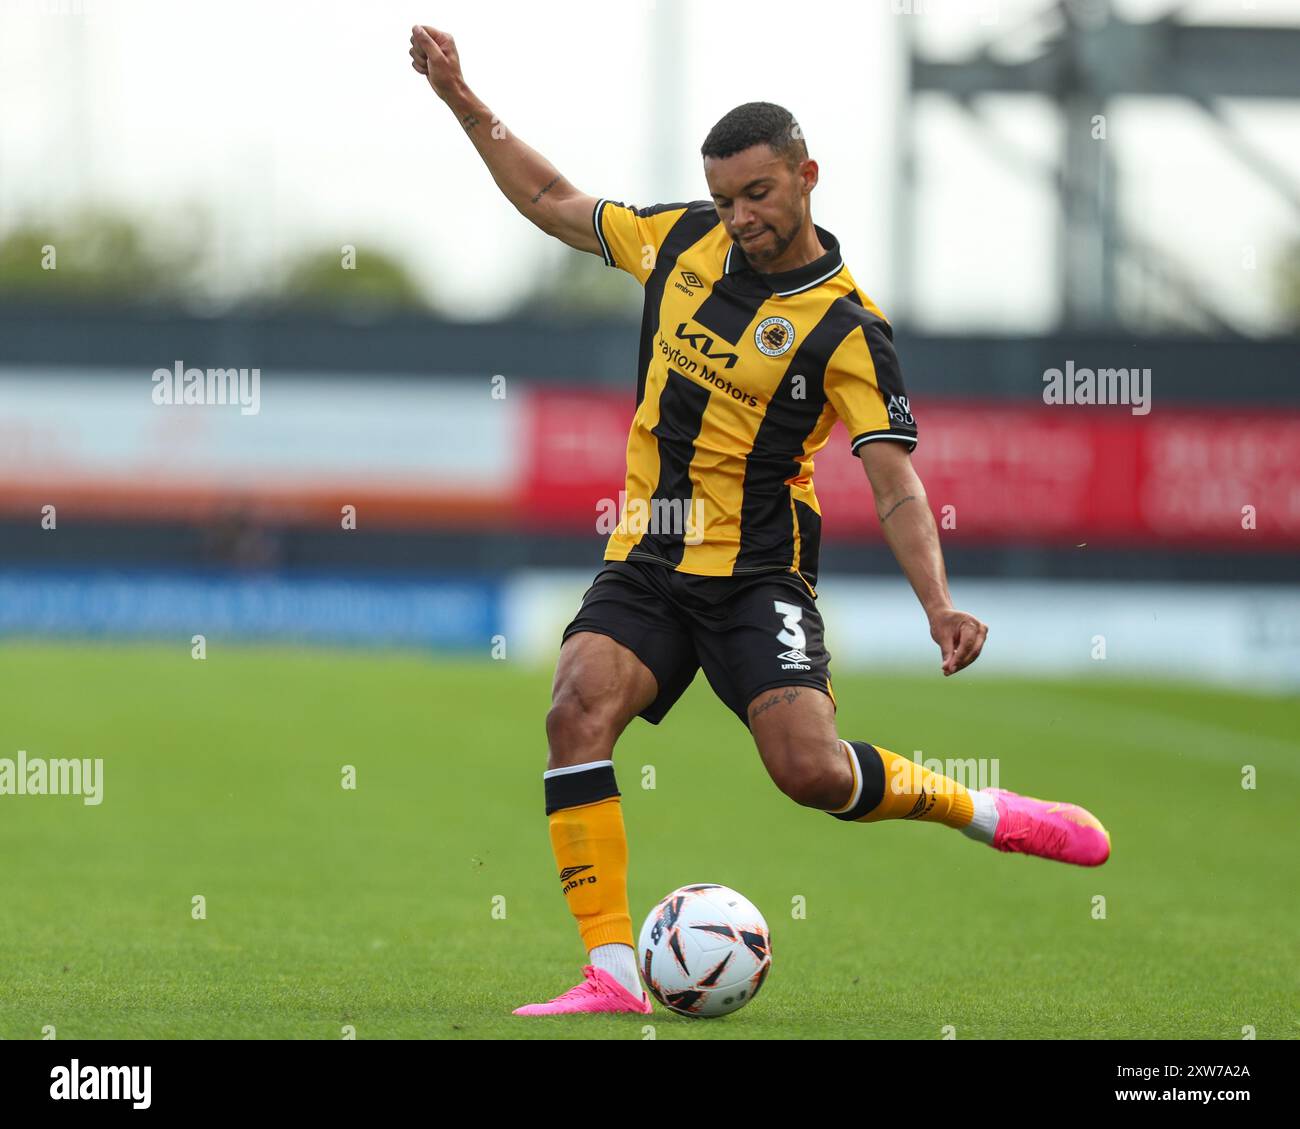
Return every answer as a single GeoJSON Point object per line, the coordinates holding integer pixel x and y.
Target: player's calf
{"type": "Point", "coordinates": [794, 729]}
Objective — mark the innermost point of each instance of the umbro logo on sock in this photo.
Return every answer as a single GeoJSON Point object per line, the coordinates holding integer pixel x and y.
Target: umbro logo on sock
{"type": "Point", "coordinates": [570, 882]}
{"type": "Point", "coordinates": [921, 807]}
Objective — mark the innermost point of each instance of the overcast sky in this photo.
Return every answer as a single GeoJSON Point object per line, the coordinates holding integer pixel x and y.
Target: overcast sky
{"type": "Point", "coordinates": [303, 123]}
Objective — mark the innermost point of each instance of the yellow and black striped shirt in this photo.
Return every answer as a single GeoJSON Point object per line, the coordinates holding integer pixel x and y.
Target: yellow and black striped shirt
{"type": "Point", "coordinates": [740, 377]}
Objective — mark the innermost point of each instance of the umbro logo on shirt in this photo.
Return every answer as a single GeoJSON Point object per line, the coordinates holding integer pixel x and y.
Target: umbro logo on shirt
{"type": "Point", "coordinates": [689, 284]}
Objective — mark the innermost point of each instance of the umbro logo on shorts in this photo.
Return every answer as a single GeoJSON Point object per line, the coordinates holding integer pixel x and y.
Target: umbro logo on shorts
{"type": "Point", "coordinates": [795, 660]}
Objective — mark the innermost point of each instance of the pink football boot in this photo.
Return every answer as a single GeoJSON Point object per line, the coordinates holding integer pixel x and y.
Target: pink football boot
{"type": "Point", "coordinates": [1065, 832]}
{"type": "Point", "coordinates": [599, 991]}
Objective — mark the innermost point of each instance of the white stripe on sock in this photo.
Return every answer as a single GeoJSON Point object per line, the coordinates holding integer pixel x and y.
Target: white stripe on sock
{"type": "Point", "coordinates": [856, 768]}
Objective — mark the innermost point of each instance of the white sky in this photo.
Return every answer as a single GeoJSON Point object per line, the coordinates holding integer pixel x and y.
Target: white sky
{"type": "Point", "coordinates": [303, 123]}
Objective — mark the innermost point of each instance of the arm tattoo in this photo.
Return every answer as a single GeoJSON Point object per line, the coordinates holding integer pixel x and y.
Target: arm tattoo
{"type": "Point", "coordinates": [885, 517]}
{"type": "Point", "coordinates": [545, 190]}
{"type": "Point", "coordinates": [469, 121]}
{"type": "Point", "coordinates": [787, 695]}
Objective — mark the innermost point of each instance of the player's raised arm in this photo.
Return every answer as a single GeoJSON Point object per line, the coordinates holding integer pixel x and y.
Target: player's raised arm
{"type": "Point", "coordinates": [913, 537]}
{"type": "Point", "coordinates": [528, 180]}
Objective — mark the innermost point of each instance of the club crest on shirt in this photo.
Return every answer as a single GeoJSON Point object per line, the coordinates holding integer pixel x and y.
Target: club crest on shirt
{"type": "Point", "coordinates": [774, 336]}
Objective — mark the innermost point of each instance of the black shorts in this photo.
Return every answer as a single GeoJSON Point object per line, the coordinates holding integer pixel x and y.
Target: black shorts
{"type": "Point", "coordinates": [749, 633]}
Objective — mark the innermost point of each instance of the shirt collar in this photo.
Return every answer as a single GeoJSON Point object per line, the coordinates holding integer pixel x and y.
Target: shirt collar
{"type": "Point", "coordinates": [784, 283]}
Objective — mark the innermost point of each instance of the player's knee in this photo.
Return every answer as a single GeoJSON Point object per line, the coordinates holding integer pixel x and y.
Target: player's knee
{"type": "Point", "coordinates": [575, 729]}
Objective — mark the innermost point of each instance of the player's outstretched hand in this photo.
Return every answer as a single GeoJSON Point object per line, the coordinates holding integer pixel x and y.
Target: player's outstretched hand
{"type": "Point", "coordinates": [434, 55]}
{"type": "Point", "coordinates": [960, 637]}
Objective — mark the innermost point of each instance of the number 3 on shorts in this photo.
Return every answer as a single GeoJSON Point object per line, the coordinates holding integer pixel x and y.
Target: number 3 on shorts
{"type": "Point", "coordinates": [791, 634]}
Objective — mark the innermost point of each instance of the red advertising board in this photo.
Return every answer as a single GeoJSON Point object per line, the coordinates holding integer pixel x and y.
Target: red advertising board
{"type": "Point", "coordinates": [994, 472]}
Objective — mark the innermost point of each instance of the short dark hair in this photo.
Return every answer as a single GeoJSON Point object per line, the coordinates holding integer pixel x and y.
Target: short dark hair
{"type": "Point", "coordinates": [757, 123]}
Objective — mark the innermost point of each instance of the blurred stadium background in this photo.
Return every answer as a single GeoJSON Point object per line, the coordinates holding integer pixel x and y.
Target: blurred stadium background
{"type": "Point", "coordinates": [1022, 185]}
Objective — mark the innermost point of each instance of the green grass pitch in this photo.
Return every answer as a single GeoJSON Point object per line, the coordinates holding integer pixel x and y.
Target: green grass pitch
{"type": "Point", "coordinates": [374, 907]}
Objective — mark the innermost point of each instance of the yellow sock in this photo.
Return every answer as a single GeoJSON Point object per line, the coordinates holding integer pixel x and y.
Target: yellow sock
{"type": "Point", "coordinates": [590, 847]}
{"type": "Point", "coordinates": [906, 790]}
